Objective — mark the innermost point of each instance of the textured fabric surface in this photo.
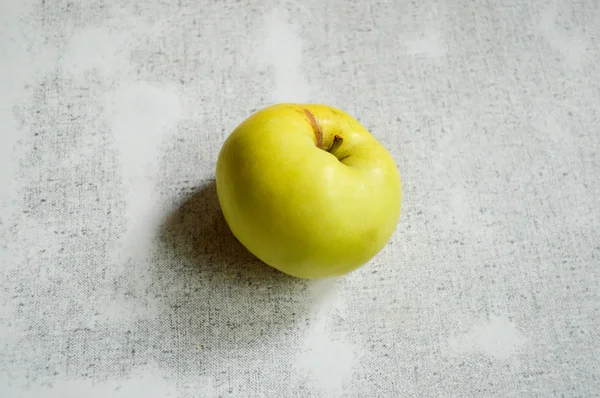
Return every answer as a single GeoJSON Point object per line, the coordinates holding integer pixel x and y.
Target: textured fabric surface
{"type": "Point", "coordinates": [119, 277]}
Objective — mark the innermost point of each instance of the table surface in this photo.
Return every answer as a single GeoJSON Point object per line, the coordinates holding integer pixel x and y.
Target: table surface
{"type": "Point", "coordinates": [119, 277]}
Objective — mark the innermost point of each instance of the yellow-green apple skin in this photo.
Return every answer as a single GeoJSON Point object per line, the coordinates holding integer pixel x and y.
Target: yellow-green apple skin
{"type": "Point", "coordinates": [303, 201]}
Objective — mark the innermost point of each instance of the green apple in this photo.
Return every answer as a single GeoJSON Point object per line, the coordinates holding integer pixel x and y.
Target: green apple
{"type": "Point", "coordinates": [308, 190]}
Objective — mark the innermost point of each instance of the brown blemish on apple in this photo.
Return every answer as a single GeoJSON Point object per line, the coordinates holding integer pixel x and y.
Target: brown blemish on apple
{"type": "Point", "coordinates": [333, 110]}
{"type": "Point", "coordinates": [371, 235]}
{"type": "Point", "coordinates": [316, 128]}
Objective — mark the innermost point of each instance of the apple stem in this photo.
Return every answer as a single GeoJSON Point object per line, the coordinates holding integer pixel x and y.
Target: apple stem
{"type": "Point", "coordinates": [337, 142]}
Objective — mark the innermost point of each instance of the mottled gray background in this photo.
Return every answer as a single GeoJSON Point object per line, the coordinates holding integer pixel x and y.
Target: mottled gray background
{"type": "Point", "coordinates": [119, 277]}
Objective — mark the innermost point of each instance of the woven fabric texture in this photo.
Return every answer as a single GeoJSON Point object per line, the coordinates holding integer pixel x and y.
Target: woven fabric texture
{"type": "Point", "coordinates": [120, 278]}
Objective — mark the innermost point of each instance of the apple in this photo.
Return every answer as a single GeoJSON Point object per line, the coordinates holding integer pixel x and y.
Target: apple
{"type": "Point", "coordinates": [308, 190]}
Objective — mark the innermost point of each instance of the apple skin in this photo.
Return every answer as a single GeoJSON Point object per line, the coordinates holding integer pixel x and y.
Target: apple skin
{"type": "Point", "coordinates": [297, 207]}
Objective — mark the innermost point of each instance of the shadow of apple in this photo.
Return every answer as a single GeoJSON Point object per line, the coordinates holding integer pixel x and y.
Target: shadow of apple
{"type": "Point", "coordinates": [196, 231]}
{"type": "Point", "coordinates": [214, 295]}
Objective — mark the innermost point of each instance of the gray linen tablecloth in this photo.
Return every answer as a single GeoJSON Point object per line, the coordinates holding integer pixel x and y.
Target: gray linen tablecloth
{"type": "Point", "coordinates": [119, 277]}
